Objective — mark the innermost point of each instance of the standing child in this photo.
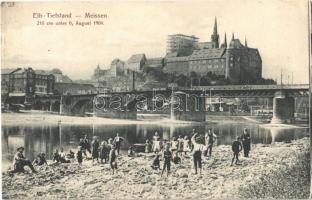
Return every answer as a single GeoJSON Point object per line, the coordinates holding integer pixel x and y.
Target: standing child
{"type": "Point", "coordinates": [180, 144]}
{"type": "Point", "coordinates": [104, 151]}
{"type": "Point", "coordinates": [186, 145]}
{"type": "Point", "coordinates": [174, 145]}
{"type": "Point", "coordinates": [156, 143]}
{"type": "Point", "coordinates": [117, 142]}
{"type": "Point", "coordinates": [79, 156]}
{"type": "Point", "coordinates": [167, 160]}
{"type": "Point", "coordinates": [95, 149]}
{"type": "Point", "coordinates": [197, 152]}
{"type": "Point", "coordinates": [113, 158]}
{"type": "Point", "coordinates": [236, 148]}
{"type": "Point", "coordinates": [147, 146]}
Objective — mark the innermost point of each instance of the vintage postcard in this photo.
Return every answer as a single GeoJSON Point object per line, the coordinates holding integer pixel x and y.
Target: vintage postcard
{"type": "Point", "coordinates": [155, 99]}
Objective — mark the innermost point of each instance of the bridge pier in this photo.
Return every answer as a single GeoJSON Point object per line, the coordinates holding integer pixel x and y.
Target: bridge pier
{"type": "Point", "coordinates": [192, 108]}
{"type": "Point", "coordinates": [283, 108]}
{"type": "Point", "coordinates": [115, 107]}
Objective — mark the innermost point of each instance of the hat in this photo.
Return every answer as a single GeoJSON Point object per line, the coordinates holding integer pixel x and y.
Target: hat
{"type": "Point", "coordinates": [20, 148]}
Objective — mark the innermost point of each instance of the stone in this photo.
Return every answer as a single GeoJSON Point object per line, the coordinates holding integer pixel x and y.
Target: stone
{"type": "Point", "coordinates": [182, 173]}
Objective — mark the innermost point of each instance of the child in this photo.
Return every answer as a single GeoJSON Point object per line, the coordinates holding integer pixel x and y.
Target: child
{"type": "Point", "coordinates": [180, 144]}
{"type": "Point", "coordinates": [174, 145]}
{"type": "Point", "coordinates": [197, 152]}
{"type": "Point", "coordinates": [95, 149]}
{"type": "Point", "coordinates": [236, 148]}
{"type": "Point", "coordinates": [56, 156]}
{"type": "Point", "coordinates": [104, 151]}
{"type": "Point", "coordinates": [79, 156]}
{"type": "Point", "coordinates": [176, 159]}
{"type": "Point", "coordinates": [186, 145]}
{"type": "Point", "coordinates": [147, 146]}
{"type": "Point", "coordinates": [112, 158]}
{"type": "Point", "coordinates": [131, 152]}
{"type": "Point", "coordinates": [40, 160]}
{"type": "Point", "coordinates": [167, 160]}
{"type": "Point", "coordinates": [156, 143]}
{"type": "Point", "coordinates": [70, 155]}
{"type": "Point", "coordinates": [156, 163]}
{"type": "Point", "coordinates": [62, 157]}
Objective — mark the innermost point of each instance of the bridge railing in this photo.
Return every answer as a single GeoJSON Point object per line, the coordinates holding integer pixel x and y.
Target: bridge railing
{"type": "Point", "coordinates": [252, 87]}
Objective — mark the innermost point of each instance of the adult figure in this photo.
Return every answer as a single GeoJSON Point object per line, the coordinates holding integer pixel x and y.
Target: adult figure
{"type": "Point", "coordinates": [20, 161]}
{"type": "Point", "coordinates": [197, 152]}
{"type": "Point", "coordinates": [246, 142]}
{"type": "Point", "coordinates": [117, 142]}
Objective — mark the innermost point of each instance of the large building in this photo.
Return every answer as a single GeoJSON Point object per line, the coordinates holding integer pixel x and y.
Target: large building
{"type": "Point", "coordinates": [236, 62]}
{"type": "Point", "coordinates": [24, 84]}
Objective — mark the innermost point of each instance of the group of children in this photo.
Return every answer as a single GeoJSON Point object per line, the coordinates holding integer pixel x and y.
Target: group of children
{"type": "Point", "coordinates": [106, 151]}
{"type": "Point", "coordinates": [171, 151]}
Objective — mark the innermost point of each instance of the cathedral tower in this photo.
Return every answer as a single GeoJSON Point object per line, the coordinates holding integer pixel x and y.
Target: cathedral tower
{"type": "Point", "coordinates": [215, 35]}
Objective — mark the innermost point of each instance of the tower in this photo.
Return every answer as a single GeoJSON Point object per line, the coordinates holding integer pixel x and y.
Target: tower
{"type": "Point", "coordinates": [246, 42]}
{"type": "Point", "coordinates": [224, 45]}
{"type": "Point", "coordinates": [215, 35]}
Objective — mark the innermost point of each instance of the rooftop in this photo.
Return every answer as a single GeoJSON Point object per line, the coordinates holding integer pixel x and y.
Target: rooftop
{"type": "Point", "coordinates": [136, 58]}
{"type": "Point", "coordinates": [207, 53]}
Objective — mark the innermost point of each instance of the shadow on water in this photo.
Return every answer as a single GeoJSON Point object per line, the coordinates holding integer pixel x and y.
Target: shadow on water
{"type": "Point", "coordinates": [46, 138]}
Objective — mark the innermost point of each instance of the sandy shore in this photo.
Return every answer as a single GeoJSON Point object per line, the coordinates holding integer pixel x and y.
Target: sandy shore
{"type": "Point", "coordinates": [135, 179]}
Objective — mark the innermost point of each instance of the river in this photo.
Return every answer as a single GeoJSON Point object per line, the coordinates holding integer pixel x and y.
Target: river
{"type": "Point", "coordinates": [46, 138]}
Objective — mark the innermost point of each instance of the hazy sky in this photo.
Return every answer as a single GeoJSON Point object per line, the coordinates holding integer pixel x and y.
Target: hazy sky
{"type": "Point", "coordinates": [278, 28]}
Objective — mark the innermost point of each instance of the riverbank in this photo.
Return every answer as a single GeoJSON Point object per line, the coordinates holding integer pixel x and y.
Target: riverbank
{"type": "Point", "coordinates": [135, 179]}
{"type": "Point", "coordinates": [39, 117]}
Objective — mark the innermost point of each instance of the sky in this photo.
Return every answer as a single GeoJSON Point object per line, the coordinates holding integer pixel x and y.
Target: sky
{"type": "Point", "coordinates": [278, 28]}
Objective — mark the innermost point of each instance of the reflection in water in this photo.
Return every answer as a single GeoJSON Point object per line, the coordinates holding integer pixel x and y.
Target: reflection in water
{"type": "Point", "coordinates": [46, 138]}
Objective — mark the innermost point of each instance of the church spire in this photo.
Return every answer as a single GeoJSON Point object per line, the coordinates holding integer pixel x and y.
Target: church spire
{"type": "Point", "coordinates": [215, 35]}
{"type": "Point", "coordinates": [246, 42]}
{"type": "Point", "coordinates": [225, 42]}
{"type": "Point", "coordinates": [215, 27]}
